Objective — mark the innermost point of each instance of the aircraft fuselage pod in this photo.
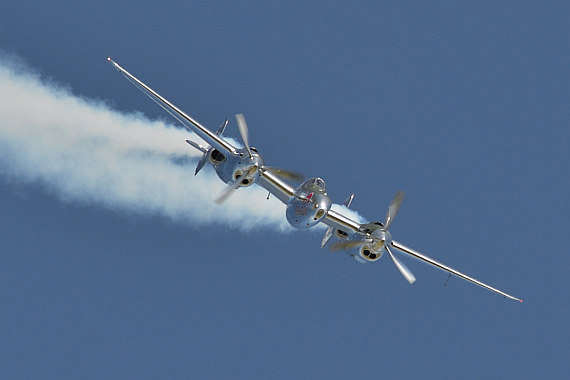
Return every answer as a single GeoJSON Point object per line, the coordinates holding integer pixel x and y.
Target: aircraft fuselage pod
{"type": "Point", "coordinates": [309, 205]}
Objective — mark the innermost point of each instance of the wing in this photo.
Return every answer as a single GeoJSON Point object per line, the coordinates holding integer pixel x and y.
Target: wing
{"type": "Point", "coordinates": [341, 222]}
{"type": "Point", "coordinates": [417, 255]}
{"type": "Point", "coordinates": [188, 122]}
{"type": "Point", "coordinates": [280, 189]}
{"type": "Point", "coordinates": [336, 219]}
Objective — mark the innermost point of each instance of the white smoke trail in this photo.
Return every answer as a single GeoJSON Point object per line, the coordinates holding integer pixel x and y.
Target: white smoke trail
{"type": "Point", "coordinates": [84, 151]}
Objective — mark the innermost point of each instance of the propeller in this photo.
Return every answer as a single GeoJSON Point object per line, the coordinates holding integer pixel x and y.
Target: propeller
{"type": "Point", "coordinates": [393, 209]}
{"type": "Point", "coordinates": [285, 174]}
{"type": "Point", "coordinates": [408, 275]}
{"type": "Point", "coordinates": [390, 215]}
{"type": "Point", "coordinates": [230, 190]}
{"type": "Point", "coordinates": [383, 236]}
{"type": "Point", "coordinates": [244, 133]}
{"type": "Point", "coordinates": [339, 246]}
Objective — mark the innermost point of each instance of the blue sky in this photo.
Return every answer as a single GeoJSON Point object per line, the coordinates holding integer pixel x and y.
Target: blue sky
{"type": "Point", "coordinates": [464, 106]}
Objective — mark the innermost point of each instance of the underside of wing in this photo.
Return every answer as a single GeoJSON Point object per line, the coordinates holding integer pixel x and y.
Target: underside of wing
{"type": "Point", "coordinates": [187, 121]}
{"type": "Point", "coordinates": [341, 222]}
{"type": "Point", "coordinates": [401, 247]}
{"type": "Point", "coordinates": [279, 188]}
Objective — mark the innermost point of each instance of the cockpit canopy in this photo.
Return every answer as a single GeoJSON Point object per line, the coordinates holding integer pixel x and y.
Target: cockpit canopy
{"type": "Point", "coordinates": [319, 183]}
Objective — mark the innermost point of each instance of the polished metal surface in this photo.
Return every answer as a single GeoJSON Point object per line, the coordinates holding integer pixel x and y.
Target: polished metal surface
{"type": "Point", "coordinates": [307, 205]}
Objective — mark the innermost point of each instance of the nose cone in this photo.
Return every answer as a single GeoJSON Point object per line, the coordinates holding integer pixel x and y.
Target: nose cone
{"type": "Point", "coordinates": [382, 235]}
{"type": "Point", "coordinates": [305, 214]}
{"type": "Point", "coordinates": [257, 159]}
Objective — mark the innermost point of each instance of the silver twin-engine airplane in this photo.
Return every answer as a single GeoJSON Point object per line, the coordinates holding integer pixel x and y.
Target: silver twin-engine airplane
{"type": "Point", "coordinates": [307, 204]}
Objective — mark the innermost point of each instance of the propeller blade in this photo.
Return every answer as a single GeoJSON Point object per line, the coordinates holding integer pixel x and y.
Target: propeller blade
{"type": "Point", "coordinates": [327, 237]}
{"type": "Point", "coordinates": [238, 182]}
{"type": "Point", "coordinates": [242, 126]}
{"type": "Point", "coordinates": [226, 194]}
{"type": "Point", "coordinates": [338, 246]}
{"type": "Point", "coordinates": [408, 275]}
{"type": "Point", "coordinates": [285, 174]}
{"type": "Point", "coordinates": [393, 209]}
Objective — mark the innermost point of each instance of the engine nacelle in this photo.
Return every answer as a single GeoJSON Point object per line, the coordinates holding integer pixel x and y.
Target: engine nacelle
{"type": "Point", "coordinates": [374, 250]}
{"type": "Point", "coordinates": [249, 178]}
{"type": "Point", "coordinates": [233, 167]}
{"type": "Point", "coordinates": [340, 234]}
{"type": "Point", "coordinates": [371, 252]}
{"type": "Point", "coordinates": [216, 157]}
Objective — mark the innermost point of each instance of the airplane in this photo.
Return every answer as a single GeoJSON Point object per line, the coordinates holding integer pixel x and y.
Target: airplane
{"type": "Point", "coordinates": [307, 205]}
